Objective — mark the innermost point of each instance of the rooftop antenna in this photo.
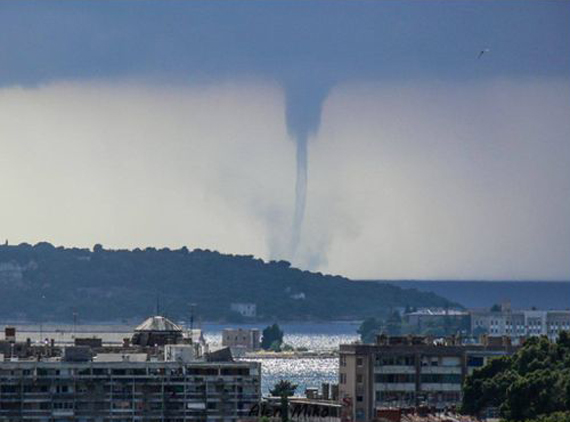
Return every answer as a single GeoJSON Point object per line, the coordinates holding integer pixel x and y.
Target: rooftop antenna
{"type": "Point", "coordinates": [74, 321]}
{"type": "Point", "coordinates": [192, 307]}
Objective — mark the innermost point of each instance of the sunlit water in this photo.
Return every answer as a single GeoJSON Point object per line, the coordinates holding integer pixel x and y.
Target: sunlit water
{"type": "Point", "coordinates": [305, 372]}
{"type": "Point", "coordinates": [317, 337]}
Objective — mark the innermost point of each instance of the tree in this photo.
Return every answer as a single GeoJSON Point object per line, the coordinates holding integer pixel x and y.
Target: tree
{"type": "Point", "coordinates": [533, 382]}
{"type": "Point", "coordinates": [369, 328]}
{"type": "Point", "coordinates": [554, 417]}
{"type": "Point", "coordinates": [484, 388]}
{"type": "Point", "coordinates": [275, 346]}
{"type": "Point", "coordinates": [284, 388]}
{"type": "Point", "coordinates": [270, 335]}
{"type": "Point", "coordinates": [394, 324]}
{"type": "Point", "coordinates": [496, 308]}
{"type": "Point", "coordinates": [121, 284]}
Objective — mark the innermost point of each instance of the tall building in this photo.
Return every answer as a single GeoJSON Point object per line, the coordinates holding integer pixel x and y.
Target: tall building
{"type": "Point", "coordinates": [408, 371]}
{"type": "Point", "coordinates": [170, 383]}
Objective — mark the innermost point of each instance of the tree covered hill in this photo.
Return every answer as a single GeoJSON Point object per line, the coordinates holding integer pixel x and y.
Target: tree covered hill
{"type": "Point", "coordinates": [43, 282]}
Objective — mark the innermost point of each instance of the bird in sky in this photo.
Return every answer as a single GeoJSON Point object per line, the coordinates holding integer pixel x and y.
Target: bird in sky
{"type": "Point", "coordinates": [485, 50]}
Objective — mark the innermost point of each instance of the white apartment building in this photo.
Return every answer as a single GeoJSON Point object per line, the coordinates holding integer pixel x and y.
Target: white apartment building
{"type": "Point", "coordinates": [517, 324]}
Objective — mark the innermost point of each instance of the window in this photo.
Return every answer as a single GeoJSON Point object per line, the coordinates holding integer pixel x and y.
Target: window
{"type": "Point", "coordinates": [395, 378]}
{"type": "Point", "coordinates": [476, 361]}
{"type": "Point", "coordinates": [359, 378]}
{"type": "Point", "coordinates": [359, 362]}
{"type": "Point", "coordinates": [395, 360]}
{"type": "Point", "coordinates": [441, 378]}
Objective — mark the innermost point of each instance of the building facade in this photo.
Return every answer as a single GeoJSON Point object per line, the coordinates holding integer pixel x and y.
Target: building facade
{"type": "Point", "coordinates": [127, 391]}
{"type": "Point", "coordinates": [520, 324]}
{"type": "Point", "coordinates": [407, 371]}
{"type": "Point", "coordinates": [426, 318]}
{"type": "Point", "coordinates": [239, 338]}
{"type": "Point", "coordinates": [134, 382]}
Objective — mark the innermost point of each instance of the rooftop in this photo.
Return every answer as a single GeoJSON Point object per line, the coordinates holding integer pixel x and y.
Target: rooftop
{"type": "Point", "coordinates": [438, 312]}
{"type": "Point", "coordinates": [158, 323]}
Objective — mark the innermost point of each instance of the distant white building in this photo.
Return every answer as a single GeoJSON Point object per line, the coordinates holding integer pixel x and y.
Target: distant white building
{"type": "Point", "coordinates": [248, 310]}
{"type": "Point", "coordinates": [422, 318]}
{"type": "Point", "coordinates": [517, 324]}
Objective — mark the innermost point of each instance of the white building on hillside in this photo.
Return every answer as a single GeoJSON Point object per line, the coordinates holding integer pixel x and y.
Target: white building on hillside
{"type": "Point", "coordinates": [248, 310]}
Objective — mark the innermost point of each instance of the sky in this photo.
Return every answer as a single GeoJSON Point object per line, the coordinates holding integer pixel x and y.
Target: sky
{"type": "Point", "coordinates": [360, 138]}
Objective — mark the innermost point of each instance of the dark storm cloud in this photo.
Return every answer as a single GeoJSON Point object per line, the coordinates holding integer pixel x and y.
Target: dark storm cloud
{"type": "Point", "coordinates": [288, 41]}
{"type": "Point", "coordinates": [308, 48]}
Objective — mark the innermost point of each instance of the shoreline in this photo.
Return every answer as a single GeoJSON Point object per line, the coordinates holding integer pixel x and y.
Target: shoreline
{"type": "Point", "coordinates": [126, 326]}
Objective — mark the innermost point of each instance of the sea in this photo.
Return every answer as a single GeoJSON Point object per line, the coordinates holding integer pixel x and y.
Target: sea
{"type": "Point", "coordinates": [306, 372]}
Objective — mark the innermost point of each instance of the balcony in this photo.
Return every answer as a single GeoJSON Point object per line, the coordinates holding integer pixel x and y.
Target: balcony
{"type": "Point", "coordinates": [431, 387]}
{"type": "Point", "coordinates": [395, 369]}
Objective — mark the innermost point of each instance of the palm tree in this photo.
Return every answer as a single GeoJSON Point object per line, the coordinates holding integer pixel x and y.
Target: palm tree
{"type": "Point", "coordinates": [284, 389]}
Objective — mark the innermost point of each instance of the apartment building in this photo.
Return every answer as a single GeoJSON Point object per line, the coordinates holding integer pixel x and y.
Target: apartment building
{"type": "Point", "coordinates": [407, 371]}
{"type": "Point", "coordinates": [520, 323]}
{"type": "Point", "coordinates": [170, 383]}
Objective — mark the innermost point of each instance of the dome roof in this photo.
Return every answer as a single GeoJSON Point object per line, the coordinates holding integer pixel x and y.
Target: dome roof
{"type": "Point", "coordinates": [158, 323]}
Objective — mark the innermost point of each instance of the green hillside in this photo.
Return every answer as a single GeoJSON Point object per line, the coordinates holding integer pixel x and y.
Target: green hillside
{"type": "Point", "coordinates": [44, 282]}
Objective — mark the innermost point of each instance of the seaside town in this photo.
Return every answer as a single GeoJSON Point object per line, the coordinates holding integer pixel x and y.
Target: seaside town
{"type": "Point", "coordinates": [284, 211]}
{"type": "Point", "coordinates": [167, 372]}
